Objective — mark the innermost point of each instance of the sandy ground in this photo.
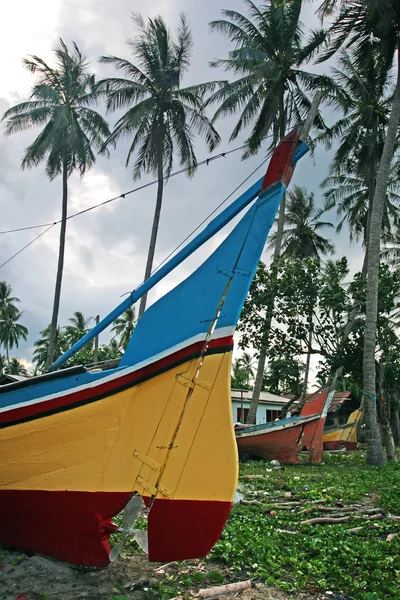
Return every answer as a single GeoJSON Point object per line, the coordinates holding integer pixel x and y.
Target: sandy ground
{"type": "Point", "coordinates": [37, 578]}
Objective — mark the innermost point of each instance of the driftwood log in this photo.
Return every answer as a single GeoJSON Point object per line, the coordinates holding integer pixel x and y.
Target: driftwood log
{"type": "Point", "coordinates": [333, 521]}
{"type": "Point", "coordinates": [223, 590]}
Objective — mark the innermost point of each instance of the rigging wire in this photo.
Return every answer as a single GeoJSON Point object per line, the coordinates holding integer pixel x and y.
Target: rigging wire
{"type": "Point", "coordinates": [179, 172]}
{"type": "Point", "coordinates": [206, 161]}
{"type": "Point", "coordinates": [26, 246]}
{"type": "Point", "coordinates": [207, 218]}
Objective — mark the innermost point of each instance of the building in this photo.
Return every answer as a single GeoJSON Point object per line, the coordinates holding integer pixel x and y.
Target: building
{"type": "Point", "coordinates": [268, 409]}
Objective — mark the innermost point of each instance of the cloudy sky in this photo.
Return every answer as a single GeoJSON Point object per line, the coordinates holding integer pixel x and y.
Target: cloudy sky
{"type": "Point", "coordinates": [106, 248]}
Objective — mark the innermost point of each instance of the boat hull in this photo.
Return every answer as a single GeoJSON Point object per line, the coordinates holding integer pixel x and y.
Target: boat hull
{"type": "Point", "coordinates": [64, 476]}
{"type": "Point", "coordinates": [283, 443]}
{"type": "Point", "coordinates": [343, 436]}
{"type": "Point", "coordinates": [284, 440]}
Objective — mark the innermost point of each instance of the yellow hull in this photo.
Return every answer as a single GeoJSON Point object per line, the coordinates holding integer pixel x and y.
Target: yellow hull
{"type": "Point", "coordinates": [345, 434]}
{"type": "Point", "coordinates": [169, 438]}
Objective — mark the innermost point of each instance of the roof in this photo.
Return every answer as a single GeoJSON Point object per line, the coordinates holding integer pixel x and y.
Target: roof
{"type": "Point", "coordinates": [265, 397]}
{"type": "Point", "coordinates": [338, 400]}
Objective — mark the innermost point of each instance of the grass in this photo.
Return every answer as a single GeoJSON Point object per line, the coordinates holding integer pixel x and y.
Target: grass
{"type": "Point", "coordinates": [319, 557]}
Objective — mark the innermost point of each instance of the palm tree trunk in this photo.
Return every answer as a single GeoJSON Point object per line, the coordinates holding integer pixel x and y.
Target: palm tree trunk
{"type": "Point", "coordinates": [60, 266]}
{"type": "Point", "coordinates": [154, 232]}
{"type": "Point", "coordinates": [307, 370]}
{"type": "Point", "coordinates": [386, 430]}
{"type": "Point", "coordinates": [375, 454]}
{"type": "Point", "coordinates": [255, 397]}
{"type": "Point", "coordinates": [395, 421]}
{"type": "Point", "coordinates": [384, 419]}
{"type": "Point", "coordinates": [8, 355]}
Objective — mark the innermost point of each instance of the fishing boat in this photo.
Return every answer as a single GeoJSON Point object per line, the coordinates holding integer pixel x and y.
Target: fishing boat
{"type": "Point", "coordinates": [339, 437]}
{"type": "Point", "coordinates": [76, 446]}
{"type": "Point", "coordinates": [284, 439]}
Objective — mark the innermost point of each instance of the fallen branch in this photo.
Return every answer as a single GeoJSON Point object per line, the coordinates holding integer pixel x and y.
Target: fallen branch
{"type": "Point", "coordinates": [287, 531]}
{"type": "Point", "coordinates": [325, 520]}
{"type": "Point", "coordinates": [276, 505]}
{"type": "Point", "coordinates": [391, 537]}
{"type": "Point", "coordinates": [355, 510]}
{"type": "Point", "coordinates": [223, 590]}
{"type": "Point", "coordinates": [252, 477]}
{"type": "Point", "coordinates": [160, 570]}
{"type": "Point", "coordinates": [354, 530]}
{"type": "Point", "coordinates": [331, 520]}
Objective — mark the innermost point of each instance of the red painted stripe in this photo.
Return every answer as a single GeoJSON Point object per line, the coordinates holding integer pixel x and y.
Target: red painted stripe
{"type": "Point", "coordinates": [105, 389]}
{"type": "Point", "coordinates": [75, 526]}
{"type": "Point", "coordinates": [70, 526]}
{"type": "Point", "coordinates": [182, 529]}
{"type": "Point", "coordinates": [279, 168]}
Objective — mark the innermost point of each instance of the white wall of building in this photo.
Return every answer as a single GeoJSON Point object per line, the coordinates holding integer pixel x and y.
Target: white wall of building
{"type": "Point", "coordinates": [261, 409]}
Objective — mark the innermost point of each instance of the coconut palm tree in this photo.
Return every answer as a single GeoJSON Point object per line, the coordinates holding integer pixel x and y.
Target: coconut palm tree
{"type": "Point", "coordinates": [42, 346]}
{"type": "Point", "coordinates": [247, 364]}
{"type": "Point", "coordinates": [271, 92]}
{"type": "Point", "coordinates": [162, 117]}
{"type": "Point", "coordinates": [349, 193]}
{"type": "Point", "coordinates": [238, 377]}
{"type": "Point", "coordinates": [300, 239]}
{"type": "Point", "coordinates": [79, 325]}
{"type": "Point", "coordinates": [60, 103]}
{"type": "Point", "coordinates": [6, 300]}
{"type": "Point", "coordinates": [124, 326]}
{"type": "Point", "coordinates": [362, 25]}
{"type": "Point", "coordinates": [11, 332]}
{"type": "Point", "coordinates": [15, 367]}
{"type": "Point", "coordinates": [361, 136]}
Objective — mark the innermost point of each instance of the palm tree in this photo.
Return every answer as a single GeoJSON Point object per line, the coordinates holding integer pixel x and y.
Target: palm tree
{"type": "Point", "coordinates": [78, 327]}
{"type": "Point", "coordinates": [365, 25]}
{"type": "Point", "coordinates": [361, 135]}
{"type": "Point", "coordinates": [60, 102]}
{"type": "Point", "coordinates": [114, 348]}
{"type": "Point", "coordinates": [42, 346]}
{"type": "Point", "coordinates": [124, 326]}
{"type": "Point", "coordinates": [6, 300]}
{"type": "Point", "coordinates": [271, 93]}
{"type": "Point", "coordinates": [301, 238]}
{"type": "Point", "coordinates": [247, 365]}
{"type": "Point", "coordinates": [351, 196]}
{"type": "Point", "coordinates": [11, 332]}
{"type": "Point", "coordinates": [15, 367]}
{"type": "Point", "coordinates": [162, 116]}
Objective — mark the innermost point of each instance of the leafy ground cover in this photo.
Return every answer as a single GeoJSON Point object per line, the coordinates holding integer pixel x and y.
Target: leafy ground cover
{"type": "Point", "coordinates": [279, 549]}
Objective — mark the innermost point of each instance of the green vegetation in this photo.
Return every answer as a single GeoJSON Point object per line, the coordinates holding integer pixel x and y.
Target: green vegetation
{"type": "Point", "coordinates": [322, 557]}
{"type": "Point", "coordinates": [276, 549]}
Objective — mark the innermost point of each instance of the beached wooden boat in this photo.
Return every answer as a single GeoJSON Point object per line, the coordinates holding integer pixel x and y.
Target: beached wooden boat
{"type": "Point", "coordinates": [340, 437]}
{"type": "Point", "coordinates": [75, 445]}
{"type": "Point", "coordinates": [284, 439]}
